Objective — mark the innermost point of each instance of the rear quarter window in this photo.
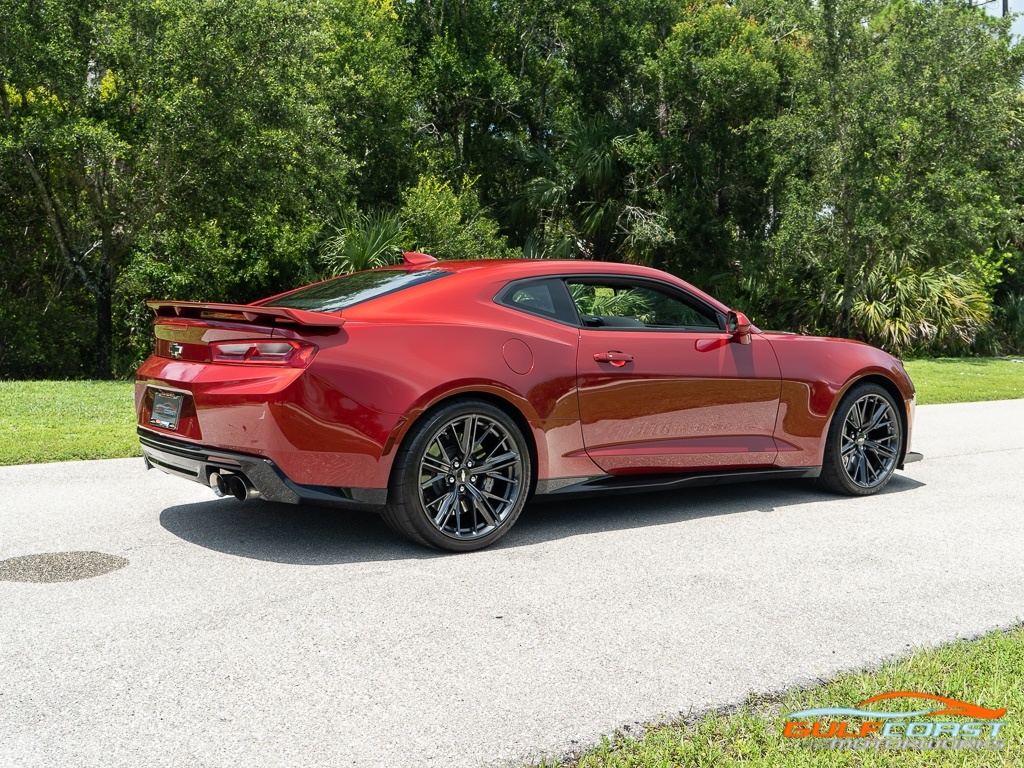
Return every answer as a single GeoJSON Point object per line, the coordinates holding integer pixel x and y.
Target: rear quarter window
{"type": "Point", "coordinates": [546, 297]}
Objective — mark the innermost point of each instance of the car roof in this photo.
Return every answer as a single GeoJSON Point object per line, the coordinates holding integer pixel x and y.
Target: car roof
{"type": "Point", "coordinates": [488, 270]}
{"type": "Point", "coordinates": [513, 269]}
{"type": "Point", "coordinates": [534, 266]}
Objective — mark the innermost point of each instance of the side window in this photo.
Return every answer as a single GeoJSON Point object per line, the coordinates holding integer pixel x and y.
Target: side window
{"type": "Point", "coordinates": [606, 303]}
{"type": "Point", "coordinates": [546, 297]}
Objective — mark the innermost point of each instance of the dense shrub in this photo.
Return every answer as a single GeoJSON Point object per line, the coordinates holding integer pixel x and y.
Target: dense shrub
{"type": "Point", "coordinates": [850, 167]}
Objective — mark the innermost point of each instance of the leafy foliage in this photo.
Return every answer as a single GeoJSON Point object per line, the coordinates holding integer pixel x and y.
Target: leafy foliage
{"type": "Point", "coordinates": [363, 241]}
{"type": "Point", "coordinates": [1010, 323]}
{"type": "Point", "coordinates": [599, 300]}
{"type": "Point", "coordinates": [850, 167]}
{"type": "Point", "coordinates": [451, 226]}
{"type": "Point", "coordinates": [586, 203]}
{"type": "Point", "coordinates": [892, 174]}
{"type": "Point", "coordinates": [173, 131]}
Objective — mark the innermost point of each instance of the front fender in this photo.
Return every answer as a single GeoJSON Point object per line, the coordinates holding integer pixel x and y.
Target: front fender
{"type": "Point", "coordinates": [816, 374]}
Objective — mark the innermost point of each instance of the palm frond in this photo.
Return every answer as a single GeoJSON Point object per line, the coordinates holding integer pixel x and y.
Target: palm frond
{"type": "Point", "coordinates": [362, 241]}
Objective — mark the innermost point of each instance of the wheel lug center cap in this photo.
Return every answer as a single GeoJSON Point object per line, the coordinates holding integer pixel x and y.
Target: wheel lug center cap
{"type": "Point", "coordinates": [463, 475]}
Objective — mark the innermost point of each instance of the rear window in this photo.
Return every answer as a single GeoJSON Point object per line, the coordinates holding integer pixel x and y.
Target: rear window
{"type": "Point", "coordinates": [349, 290]}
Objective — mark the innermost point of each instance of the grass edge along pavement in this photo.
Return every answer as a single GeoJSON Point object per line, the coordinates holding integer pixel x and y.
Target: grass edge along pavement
{"type": "Point", "coordinates": [44, 421]}
{"type": "Point", "coordinates": [987, 670]}
{"type": "Point", "coordinates": [966, 379]}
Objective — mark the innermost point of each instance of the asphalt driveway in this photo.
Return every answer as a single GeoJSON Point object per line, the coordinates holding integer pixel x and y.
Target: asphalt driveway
{"type": "Point", "coordinates": [267, 635]}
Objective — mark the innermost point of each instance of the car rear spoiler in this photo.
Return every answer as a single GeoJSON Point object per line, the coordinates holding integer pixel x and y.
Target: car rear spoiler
{"type": "Point", "coordinates": [246, 313]}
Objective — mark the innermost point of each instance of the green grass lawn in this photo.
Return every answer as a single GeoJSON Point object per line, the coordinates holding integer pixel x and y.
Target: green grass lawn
{"type": "Point", "coordinates": [989, 672]}
{"type": "Point", "coordinates": [966, 379]}
{"type": "Point", "coordinates": [65, 420]}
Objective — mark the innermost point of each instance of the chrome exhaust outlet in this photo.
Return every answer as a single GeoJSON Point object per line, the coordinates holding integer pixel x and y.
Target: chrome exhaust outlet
{"type": "Point", "coordinates": [226, 484]}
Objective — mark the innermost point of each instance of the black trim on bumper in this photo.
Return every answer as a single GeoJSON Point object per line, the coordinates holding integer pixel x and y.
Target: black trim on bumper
{"type": "Point", "coordinates": [197, 462]}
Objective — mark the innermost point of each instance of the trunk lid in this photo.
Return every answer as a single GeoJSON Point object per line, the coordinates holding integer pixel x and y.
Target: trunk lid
{"type": "Point", "coordinates": [184, 330]}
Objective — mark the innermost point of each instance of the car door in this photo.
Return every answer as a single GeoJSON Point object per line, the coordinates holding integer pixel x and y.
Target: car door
{"type": "Point", "coordinates": [663, 387]}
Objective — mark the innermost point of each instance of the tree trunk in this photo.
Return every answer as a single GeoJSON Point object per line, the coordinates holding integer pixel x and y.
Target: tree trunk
{"type": "Point", "coordinates": [457, 160]}
{"type": "Point", "coordinates": [104, 328]}
{"type": "Point", "coordinates": [846, 307]}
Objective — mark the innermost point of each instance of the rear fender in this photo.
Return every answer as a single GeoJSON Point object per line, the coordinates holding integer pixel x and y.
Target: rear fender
{"type": "Point", "coordinates": [490, 391]}
{"type": "Point", "coordinates": [557, 444]}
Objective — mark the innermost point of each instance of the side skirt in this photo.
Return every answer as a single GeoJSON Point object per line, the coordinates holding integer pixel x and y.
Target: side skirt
{"type": "Point", "coordinates": [609, 484]}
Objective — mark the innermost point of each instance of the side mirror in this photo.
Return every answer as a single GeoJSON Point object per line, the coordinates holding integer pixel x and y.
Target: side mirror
{"type": "Point", "coordinates": [738, 326]}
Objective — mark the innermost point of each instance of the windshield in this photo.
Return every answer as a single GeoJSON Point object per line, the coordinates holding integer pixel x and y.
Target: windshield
{"type": "Point", "coordinates": [349, 290]}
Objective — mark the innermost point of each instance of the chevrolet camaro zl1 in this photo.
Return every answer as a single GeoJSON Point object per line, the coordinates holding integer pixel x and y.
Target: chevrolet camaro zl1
{"type": "Point", "coordinates": [446, 394]}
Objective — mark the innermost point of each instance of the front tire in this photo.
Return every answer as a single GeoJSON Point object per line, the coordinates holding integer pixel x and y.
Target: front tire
{"type": "Point", "coordinates": [864, 443]}
{"type": "Point", "coordinates": [461, 478]}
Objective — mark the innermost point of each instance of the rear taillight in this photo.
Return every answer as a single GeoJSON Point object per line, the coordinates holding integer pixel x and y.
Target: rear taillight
{"type": "Point", "coordinates": [285, 353]}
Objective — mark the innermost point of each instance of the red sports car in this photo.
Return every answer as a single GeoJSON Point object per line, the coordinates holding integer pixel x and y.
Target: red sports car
{"type": "Point", "coordinates": [447, 394]}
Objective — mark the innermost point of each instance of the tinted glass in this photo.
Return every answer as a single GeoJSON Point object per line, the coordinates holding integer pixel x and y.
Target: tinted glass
{"type": "Point", "coordinates": [349, 290]}
{"type": "Point", "coordinates": [620, 305]}
{"type": "Point", "coordinates": [545, 297]}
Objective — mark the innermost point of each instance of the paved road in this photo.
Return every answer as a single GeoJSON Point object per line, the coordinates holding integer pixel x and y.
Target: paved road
{"type": "Point", "coordinates": [264, 635]}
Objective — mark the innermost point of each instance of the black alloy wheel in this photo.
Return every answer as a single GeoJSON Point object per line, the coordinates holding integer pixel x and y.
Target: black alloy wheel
{"type": "Point", "coordinates": [864, 444]}
{"type": "Point", "coordinates": [461, 478]}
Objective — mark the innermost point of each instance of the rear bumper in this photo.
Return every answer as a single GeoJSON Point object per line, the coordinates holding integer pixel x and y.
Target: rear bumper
{"type": "Point", "coordinates": [197, 462]}
{"type": "Point", "coordinates": [298, 418]}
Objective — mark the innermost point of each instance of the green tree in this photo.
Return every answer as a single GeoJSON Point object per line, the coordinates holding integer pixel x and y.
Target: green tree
{"type": "Point", "coordinates": [892, 172]}
{"type": "Point", "coordinates": [451, 226]}
{"type": "Point", "coordinates": [466, 90]}
{"type": "Point", "coordinates": [850, 166]}
{"type": "Point", "coordinates": [361, 241]}
{"type": "Point", "coordinates": [587, 202]}
{"type": "Point", "coordinates": [84, 161]}
{"type": "Point", "coordinates": [722, 80]}
{"type": "Point", "coordinates": [129, 125]}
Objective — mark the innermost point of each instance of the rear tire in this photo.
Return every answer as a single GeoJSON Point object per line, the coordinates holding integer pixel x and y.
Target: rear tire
{"type": "Point", "coordinates": [460, 479]}
{"type": "Point", "coordinates": [864, 443]}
